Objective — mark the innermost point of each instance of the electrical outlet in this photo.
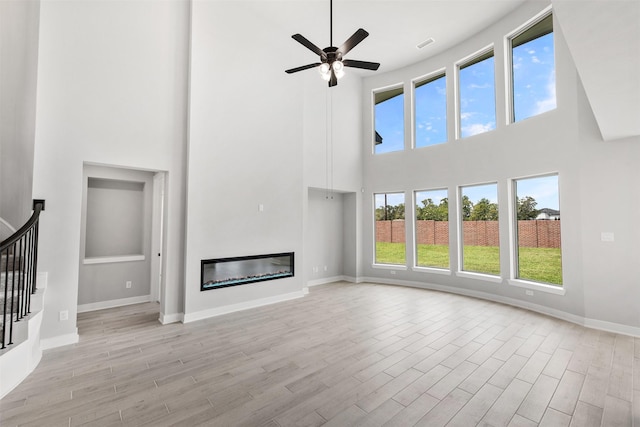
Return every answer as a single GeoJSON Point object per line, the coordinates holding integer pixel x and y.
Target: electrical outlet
{"type": "Point", "coordinates": [392, 272]}
{"type": "Point", "coordinates": [529, 292]}
{"type": "Point", "coordinates": [128, 284]}
{"type": "Point", "coordinates": [326, 268]}
{"type": "Point", "coordinates": [63, 315]}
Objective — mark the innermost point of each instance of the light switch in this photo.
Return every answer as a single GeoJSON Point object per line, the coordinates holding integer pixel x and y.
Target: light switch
{"type": "Point", "coordinates": [606, 237]}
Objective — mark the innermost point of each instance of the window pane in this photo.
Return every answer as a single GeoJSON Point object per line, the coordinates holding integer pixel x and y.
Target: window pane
{"type": "Point", "coordinates": [431, 112]}
{"type": "Point", "coordinates": [390, 235]}
{"type": "Point", "coordinates": [533, 71]}
{"type": "Point", "coordinates": [480, 236]}
{"type": "Point", "coordinates": [389, 121]}
{"type": "Point", "coordinates": [538, 236]}
{"type": "Point", "coordinates": [432, 229]}
{"type": "Point", "coordinates": [477, 96]}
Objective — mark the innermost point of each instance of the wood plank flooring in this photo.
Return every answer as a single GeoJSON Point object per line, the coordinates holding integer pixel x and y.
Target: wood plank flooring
{"type": "Point", "coordinates": [345, 355]}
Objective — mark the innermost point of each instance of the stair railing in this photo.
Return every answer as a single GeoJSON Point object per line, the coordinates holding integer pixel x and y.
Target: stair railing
{"type": "Point", "coordinates": [18, 270]}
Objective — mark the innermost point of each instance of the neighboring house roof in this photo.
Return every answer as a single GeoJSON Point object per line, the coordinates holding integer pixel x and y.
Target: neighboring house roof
{"type": "Point", "coordinates": [378, 138]}
{"type": "Point", "coordinates": [546, 213]}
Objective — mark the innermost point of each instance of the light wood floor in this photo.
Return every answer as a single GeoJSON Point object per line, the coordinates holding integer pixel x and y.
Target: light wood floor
{"type": "Point", "coordinates": [344, 355]}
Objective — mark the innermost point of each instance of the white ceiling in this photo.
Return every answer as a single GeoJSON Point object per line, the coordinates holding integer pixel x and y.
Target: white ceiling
{"type": "Point", "coordinates": [395, 26]}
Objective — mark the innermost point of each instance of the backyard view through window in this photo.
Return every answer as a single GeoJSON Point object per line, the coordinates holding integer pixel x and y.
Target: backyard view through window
{"type": "Point", "coordinates": [477, 92]}
{"type": "Point", "coordinates": [480, 239]}
{"type": "Point", "coordinates": [389, 223]}
{"type": "Point", "coordinates": [432, 228]}
{"type": "Point", "coordinates": [389, 120]}
{"type": "Point", "coordinates": [538, 245]}
{"type": "Point", "coordinates": [533, 70]}
{"type": "Point", "coordinates": [431, 111]}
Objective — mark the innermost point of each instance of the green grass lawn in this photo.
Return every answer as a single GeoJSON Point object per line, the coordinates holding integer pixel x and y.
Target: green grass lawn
{"type": "Point", "coordinates": [536, 264]}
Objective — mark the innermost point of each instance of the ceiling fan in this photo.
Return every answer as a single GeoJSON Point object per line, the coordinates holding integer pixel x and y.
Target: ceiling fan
{"type": "Point", "coordinates": [332, 62]}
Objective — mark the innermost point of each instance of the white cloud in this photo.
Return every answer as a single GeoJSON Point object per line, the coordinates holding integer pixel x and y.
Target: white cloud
{"type": "Point", "coordinates": [535, 59]}
{"type": "Point", "coordinates": [465, 116]}
{"type": "Point", "coordinates": [476, 128]}
{"type": "Point", "coordinates": [549, 102]}
{"type": "Point", "coordinates": [531, 51]}
{"type": "Point", "coordinates": [476, 86]}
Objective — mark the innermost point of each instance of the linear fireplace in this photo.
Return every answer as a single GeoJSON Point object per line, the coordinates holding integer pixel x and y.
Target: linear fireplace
{"type": "Point", "coordinates": [225, 272]}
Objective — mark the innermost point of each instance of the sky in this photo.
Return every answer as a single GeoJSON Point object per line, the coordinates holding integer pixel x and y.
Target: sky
{"type": "Point", "coordinates": [533, 88]}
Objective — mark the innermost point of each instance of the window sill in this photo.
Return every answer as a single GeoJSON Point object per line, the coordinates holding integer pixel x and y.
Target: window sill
{"type": "Point", "coordinates": [389, 266]}
{"type": "Point", "coordinates": [479, 276]}
{"type": "Point", "coordinates": [112, 259]}
{"type": "Point", "coordinates": [433, 270]}
{"type": "Point", "coordinates": [551, 289]}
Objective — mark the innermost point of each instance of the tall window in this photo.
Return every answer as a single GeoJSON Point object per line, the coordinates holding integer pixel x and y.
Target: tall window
{"type": "Point", "coordinates": [431, 111]}
{"type": "Point", "coordinates": [390, 235]}
{"type": "Point", "coordinates": [538, 246]}
{"type": "Point", "coordinates": [432, 228]}
{"type": "Point", "coordinates": [477, 95]}
{"type": "Point", "coordinates": [533, 71]}
{"type": "Point", "coordinates": [389, 121]}
{"type": "Point", "coordinates": [480, 237]}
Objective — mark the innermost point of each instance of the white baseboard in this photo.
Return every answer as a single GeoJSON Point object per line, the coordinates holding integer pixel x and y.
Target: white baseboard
{"type": "Point", "coordinates": [83, 308]}
{"type": "Point", "coordinates": [559, 314]}
{"type": "Point", "coordinates": [59, 341]}
{"type": "Point", "coordinates": [165, 319]}
{"type": "Point", "coordinates": [325, 280]}
{"type": "Point", "coordinates": [205, 314]}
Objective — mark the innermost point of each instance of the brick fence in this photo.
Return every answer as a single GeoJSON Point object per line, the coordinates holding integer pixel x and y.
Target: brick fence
{"type": "Point", "coordinates": [533, 233]}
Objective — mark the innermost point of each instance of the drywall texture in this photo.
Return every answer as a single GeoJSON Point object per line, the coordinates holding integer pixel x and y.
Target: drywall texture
{"type": "Point", "coordinates": [594, 180]}
{"type": "Point", "coordinates": [112, 90]}
{"type": "Point", "coordinates": [324, 255]}
{"type": "Point", "coordinates": [18, 70]}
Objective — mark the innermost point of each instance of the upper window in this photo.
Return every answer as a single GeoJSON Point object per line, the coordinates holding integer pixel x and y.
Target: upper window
{"type": "Point", "coordinates": [431, 111]}
{"type": "Point", "coordinates": [533, 71]}
{"type": "Point", "coordinates": [477, 95]}
{"type": "Point", "coordinates": [389, 120]}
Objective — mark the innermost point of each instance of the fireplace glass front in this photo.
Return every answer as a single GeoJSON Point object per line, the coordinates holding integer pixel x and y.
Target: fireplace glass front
{"type": "Point", "coordinates": [225, 272]}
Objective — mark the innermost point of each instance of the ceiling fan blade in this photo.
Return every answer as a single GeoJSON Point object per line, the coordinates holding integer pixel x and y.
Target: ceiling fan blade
{"type": "Point", "coordinates": [333, 81]}
{"type": "Point", "coordinates": [361, 64]}
{"type": "Point", "coordinates": [304, 67]}
{"type": "Point", "coordinates": [352, 41]}
{"type": "Point", "coordinates": [306, 43]}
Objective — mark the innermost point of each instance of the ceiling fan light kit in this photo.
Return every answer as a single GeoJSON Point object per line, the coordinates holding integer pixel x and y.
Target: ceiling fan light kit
{"type": "Point", "coordinates": [331, 65]}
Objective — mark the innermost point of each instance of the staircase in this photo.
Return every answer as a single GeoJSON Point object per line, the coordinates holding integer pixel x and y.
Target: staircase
{"type": "Point", "coordinates": [21, 302]}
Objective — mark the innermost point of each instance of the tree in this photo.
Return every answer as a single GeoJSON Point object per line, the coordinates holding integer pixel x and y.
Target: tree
{"type": "Point", "coordinates": [527, 208]}
{"type": "Point", "coordinates": [390, 212]}
{"type": "Point", "coordinates": [467, 207]}
{"type": "Point", "coordinates": [432, 212]}
{"type": "Point", "coordinates": [484, 210]}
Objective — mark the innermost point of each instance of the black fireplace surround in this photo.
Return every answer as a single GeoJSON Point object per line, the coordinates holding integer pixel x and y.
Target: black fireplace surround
{"type": "Point", "coordinates": [225, 272]}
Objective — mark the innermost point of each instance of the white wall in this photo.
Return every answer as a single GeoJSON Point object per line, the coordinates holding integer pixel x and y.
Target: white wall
{"type": "Point", "coordinates": [18, 68]}
{"type": "Point", "coordinates": [595, 186]}
{"type": "Point", "coordinates": [325, 234]}
{"type": "Point", "coordinates": [245, 150]}
{"type": "Point", "coordinates": [112, 90]}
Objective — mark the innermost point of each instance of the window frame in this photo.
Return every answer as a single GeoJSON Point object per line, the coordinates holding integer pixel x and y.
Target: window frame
{"type": "Point", "coordinates": [375, 263]}
{"type": "Point", "coordinates": [513, 280]}
{"type": "Point", "coordinates": [508, 50]}
{"type": "Point", "coordinates": [421, 81]}
{"type": "Point", "coordinates": [375, 92]}
{"type": "Point", "coordinates": [430, 269]}
{"type": "Point", "coordinates": [469, 60]}
{"type": "Point", "coordinates": [460, 225]}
